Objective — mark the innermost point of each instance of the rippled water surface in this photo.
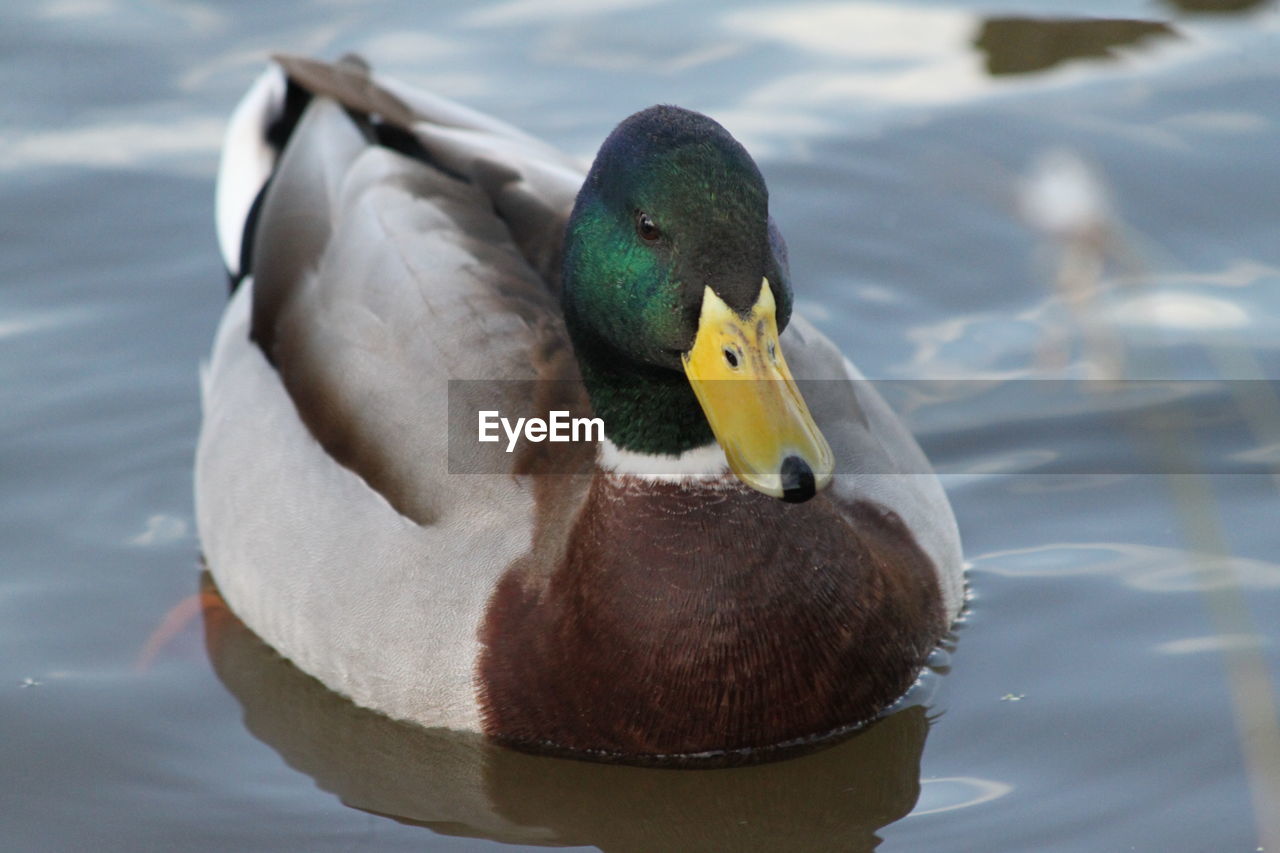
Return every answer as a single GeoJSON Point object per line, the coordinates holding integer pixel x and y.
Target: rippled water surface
{"type": "Point", "coordinates": [1113, 686]}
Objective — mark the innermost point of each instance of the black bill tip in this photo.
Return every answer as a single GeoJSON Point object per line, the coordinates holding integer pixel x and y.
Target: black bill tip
{"type": "Point", "coordinates": [798, 484]}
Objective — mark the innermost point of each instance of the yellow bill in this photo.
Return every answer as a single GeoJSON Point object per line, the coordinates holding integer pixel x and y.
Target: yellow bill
{"type": "Point", "coordinates": [738, 373]}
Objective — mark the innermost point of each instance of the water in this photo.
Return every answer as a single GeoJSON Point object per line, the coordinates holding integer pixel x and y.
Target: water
{"type": "Point", "coordinates": [1122, 631]}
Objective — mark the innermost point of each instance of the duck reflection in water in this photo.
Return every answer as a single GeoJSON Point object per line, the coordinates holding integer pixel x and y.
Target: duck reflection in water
{"type": "Point", "coordinates": [461, 784]}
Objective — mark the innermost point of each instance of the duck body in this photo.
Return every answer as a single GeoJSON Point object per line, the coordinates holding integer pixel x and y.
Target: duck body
{"type": "Point", "coordinates": [602, 600]}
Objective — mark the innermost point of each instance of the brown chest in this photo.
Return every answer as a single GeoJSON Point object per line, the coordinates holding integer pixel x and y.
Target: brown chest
{"type": "Point", "coordinates": [712, 623]}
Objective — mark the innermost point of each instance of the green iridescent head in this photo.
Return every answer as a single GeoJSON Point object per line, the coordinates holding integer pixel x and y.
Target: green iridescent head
{"type": "Point", "coordinates": [672, 205]}
{"type": "Point", "coordinates": [676, 279]}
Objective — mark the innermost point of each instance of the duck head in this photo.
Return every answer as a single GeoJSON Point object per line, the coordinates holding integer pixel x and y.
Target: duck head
{"type": "Point", "coordinates": [675, 289]}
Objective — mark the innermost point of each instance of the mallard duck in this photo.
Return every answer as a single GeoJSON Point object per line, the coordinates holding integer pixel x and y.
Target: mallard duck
{"type": "Point", "coordinates": [735, 569]}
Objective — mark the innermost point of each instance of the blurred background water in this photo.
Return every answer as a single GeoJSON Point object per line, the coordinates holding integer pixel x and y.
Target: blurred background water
{"type": "Point", "coordinates": [1113, 686]}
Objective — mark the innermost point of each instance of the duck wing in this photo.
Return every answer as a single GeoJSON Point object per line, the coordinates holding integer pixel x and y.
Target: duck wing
{"type": "Point", "coordinates": [403, 242]}
{"type": "Point", "coordinates": [398, 246]}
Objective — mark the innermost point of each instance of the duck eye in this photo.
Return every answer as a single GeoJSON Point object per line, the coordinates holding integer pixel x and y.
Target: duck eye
{"type": "Point", "coordinates": [646, 228]}
{"type": "Point", "coordinates": [731, 356]}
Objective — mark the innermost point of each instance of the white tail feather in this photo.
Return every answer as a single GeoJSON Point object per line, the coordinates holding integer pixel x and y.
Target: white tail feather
{"type": "Point", "coordinates": [247, 161]}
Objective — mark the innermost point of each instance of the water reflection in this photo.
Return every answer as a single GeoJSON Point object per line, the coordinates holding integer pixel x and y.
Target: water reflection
{"type": "Point", "coordinates": [1017, 45]}
{"type": "Point", "coordinates": [1147, 568]}
{"type": "Point", "coordinates": [157, 145]}
{"type": "Point", "coordinates": [461, 785]}
{"type": "Point", "coordinates": [1216, 5]}
{"type": "Point", "coordinates": [959, 792]}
